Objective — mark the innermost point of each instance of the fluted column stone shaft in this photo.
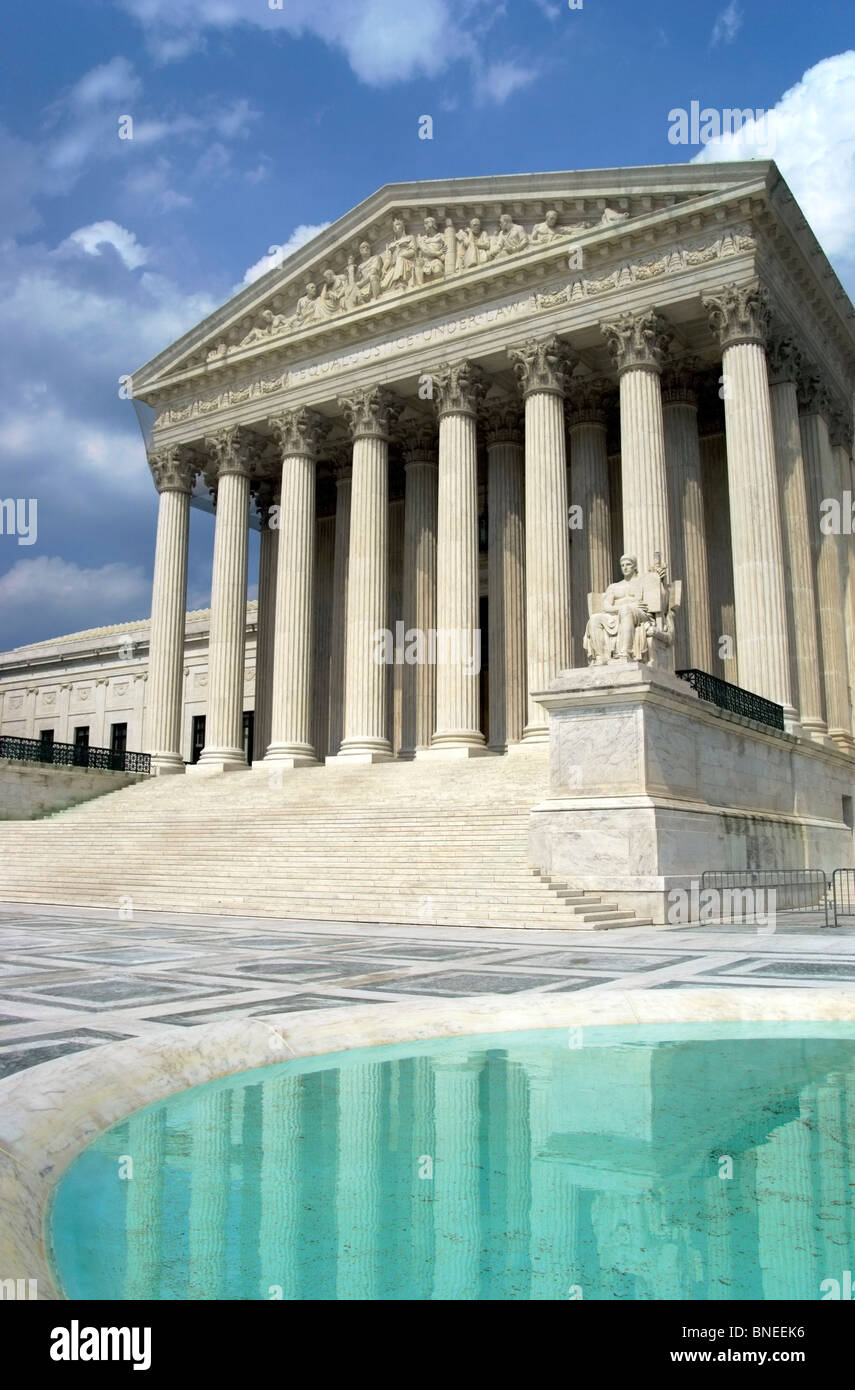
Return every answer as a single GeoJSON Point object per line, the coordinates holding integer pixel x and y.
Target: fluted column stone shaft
{"type": "Point", "coordinates": [227, 645]}
{"type": "Point", "coordinates": [795, 520]}
{"type": "Point", "coordinates": [740, 317]}
{"type": "Point", "coordinates": [420, 527]}
{"type": "Point", "coordinates": [822, 482]}
{"type": "Point", "coordinates": [591, 548]}
{"type": "Point", "coordinates": [842, 447]}
{"type": "Point", "coordinates": [637, 343]}
{"type": "Point", "coordinates": [324, 601]}
{"type": "Point", "coordinates": [267, 497]}
{"type": "Point", "coordinates": [341, 559]}
{"type": "Point", "coordinates": [298, 433]}
{"type": "Point", "coordinates": [541, 366]}
{"type": "Point", "coordinates": [458, 730]}
{"type": "Point", "coordinates": [365, 703]}
{"type": "Point", "coordinates": [713, 451]}
{"type": "Point", "coordinates": [506, 577]}
{"type": "Point", "coordinates": [688, 523]}
{"type": "Point", "coordinates": [174, 480]}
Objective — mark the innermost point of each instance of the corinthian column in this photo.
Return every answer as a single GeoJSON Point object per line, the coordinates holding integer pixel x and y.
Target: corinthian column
{"type": "Point", "coordinates": [541, 366]}
{"type": "Point", "coordinates": [506, 571]}
{"type": "Point", "coordinates": [686, 512]}
{"type": "Point", "coordinates": [823, 482]}
{"type": "Point", "coordinates": [173, 479]}
{"type": "Point", "coordinates": [841, 444]}
{"type": "Point", "coordinates": [420, 519]}
{"type": "Point", "coordinates": [459, 388]}
{"type": "Point", "coordinates": [591, 548]}
{"type": "Point", "coordinates": [233, 461]}
{"type": "Point", "coordinates": [365, 734]}
{"type": "Point", "coordinates": [739, 316]}
{"type": "Point", "coordinates": [637, 343]}
{"type": "Point", "coordinates": [266, 497]}
{"type": "Point", "coordinates": [341, 560]}
{"type": "Point", "coordinates": [297, 433]}
{"type": "Point", "coordinates": [784, 363]}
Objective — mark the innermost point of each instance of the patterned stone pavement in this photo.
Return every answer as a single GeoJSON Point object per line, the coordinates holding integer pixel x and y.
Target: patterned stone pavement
{"type": "Point", "coordinates": [74, 978]}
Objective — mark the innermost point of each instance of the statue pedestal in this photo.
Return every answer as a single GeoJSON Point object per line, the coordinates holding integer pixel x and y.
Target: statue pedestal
{"type": "Point", "coordinates": [650, 785]}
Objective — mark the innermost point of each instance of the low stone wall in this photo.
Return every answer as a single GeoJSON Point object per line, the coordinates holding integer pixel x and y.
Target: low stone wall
{"type": "Point", "coordinates": [31, 790]}
{"type": "Point", "coordinates": [650, 785]}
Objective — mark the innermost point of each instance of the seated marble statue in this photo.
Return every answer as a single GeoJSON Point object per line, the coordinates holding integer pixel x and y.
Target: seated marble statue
{"type": "Point", "coordinates": [623, 621]}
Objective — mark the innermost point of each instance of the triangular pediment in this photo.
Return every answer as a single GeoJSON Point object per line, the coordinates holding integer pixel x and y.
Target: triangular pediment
{"type": "Point", "coordinates": [436, 240]}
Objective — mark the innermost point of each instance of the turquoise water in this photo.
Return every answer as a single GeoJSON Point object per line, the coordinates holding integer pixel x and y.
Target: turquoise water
{"type": "Point", "coordinates": [686, 1161]}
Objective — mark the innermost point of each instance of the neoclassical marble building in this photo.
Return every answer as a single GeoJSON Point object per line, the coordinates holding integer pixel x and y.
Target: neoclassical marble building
{"type": "Point", "coordinates": [456, 408]}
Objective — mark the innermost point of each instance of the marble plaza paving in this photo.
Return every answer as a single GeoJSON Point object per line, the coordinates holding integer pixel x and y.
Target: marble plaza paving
{"type": "Point", "coordinates": [79, 978]}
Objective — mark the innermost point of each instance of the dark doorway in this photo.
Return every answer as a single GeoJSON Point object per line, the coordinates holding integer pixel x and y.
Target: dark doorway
{"type": "Point", "coordinates": [198, 738]}
{"type": "Point", "coordinates": [118, 738]}
{"type": "Point", "coordinates": [484, 686]}
{"type": "Point", "coordinates": [81, 746]}
{"type": "Point", "coordinates": [46, 741]}
{"type": "Point", "coordinates": [248, 734]}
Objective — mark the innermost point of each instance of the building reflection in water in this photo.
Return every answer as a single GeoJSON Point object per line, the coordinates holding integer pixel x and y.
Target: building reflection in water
{"type": "Point", "coordinates": [641, 1170]}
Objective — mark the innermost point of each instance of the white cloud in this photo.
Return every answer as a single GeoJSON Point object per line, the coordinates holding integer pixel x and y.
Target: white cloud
{"type": "Point", "coordinates": [814, 145]}
{"type": "Point", "coordinates": [97, 235]}
{"type": "Point", "coordinates": [498, 81]}
{"type": "Point", "coordinates": [727, 25]}
{"type": "Point", "coordinates": [58, 595]}
{"type": "Point", "coordinates": [384, 41]}
{"type": "Point", "coordinates": [277, 254]}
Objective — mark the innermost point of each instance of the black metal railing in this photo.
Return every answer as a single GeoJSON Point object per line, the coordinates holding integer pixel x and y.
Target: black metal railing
{"type": "Point", "coordinates": [734, 698]}
{"type": "Point", "coordinates": [34, 750]}
{"type": "Point", "coordinates": [796, 890]}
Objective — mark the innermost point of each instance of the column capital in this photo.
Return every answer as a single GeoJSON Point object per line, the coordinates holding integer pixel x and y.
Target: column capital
{"type": "Point", "coordinates": [369, 412]}
{"type": "Point", "coordinates": [638, 340]}
{"type": "Point", "coordinates": [542, 365]}
{"type": "Point", "coordinates": [813, 392]}
{"type": "Point", "coordinates": [234, 451]}
{"type": "Point", "coordinates": [783, 357]}
{"type": "Point", "coordinates": [739, 314]}
{"type": "Point", "coordinates": [588, 402]}
{"type": "Point", "coordinates": [840, 429]}
{"type": "Point", "coordinates": [266, 494]}
{"type": "Point", "coordinates": [460, 387]}
{"type": "Point", "coordinates": [418, 438]}
{"type": "Point", "coordinates": [298, 432]}
{"type": "Point", "coordinates": [503, 418]}
{"type": "Point", "coordinates": [680, 381]}
{"type": "Point", "coordinates": [171, 468]}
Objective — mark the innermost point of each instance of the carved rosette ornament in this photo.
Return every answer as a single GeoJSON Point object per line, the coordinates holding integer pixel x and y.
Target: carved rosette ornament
{"type": "Point", "coordinates": [369, 413]}
{"type": "Point", "coordinates": [783, 358]}
{"type": "Point", "coordinates": [638, 340]}
{"type": "Point", "coordinates": [814, 395]}
{"type": "Point", "coordinates": [680, 381]}
{"type": "Point", "coordinates": [299, 432]}
{"type": "Point", "coordinates": [739, 314]}
{"type": "Point", "coordinates": [171, 469]}
{"type": "Point", "coordinates": [459, 388]}
{"type": "Point", "coordinates": [588, 402]}
{"type": "Point", "coordinates": [541, 365]}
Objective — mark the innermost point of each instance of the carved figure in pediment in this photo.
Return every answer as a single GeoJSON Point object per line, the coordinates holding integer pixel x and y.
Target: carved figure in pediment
{"type": "Point", "coordinates": [611, 217]}
{"type": "Point", "coordinates": [509, 239]}
{"type": "Point", "coordinates": [431, 248]}
{"type": "Point", "coordinates": [307, 306]}
{"type": "Point", "coordinates": [333, 294]}
{"type": "Point", "coordinates": [548, 230]}
{"type": "Point", "coordinates": [473, 245]}
{"type": "Point", "coordinates": [399, 261]}
{"type": "Point", "coordinates": [215, 353]}
{"type": "Point", "coordinates": [276, 323]}
{"type": "Point", "coordinates": [366, 277]}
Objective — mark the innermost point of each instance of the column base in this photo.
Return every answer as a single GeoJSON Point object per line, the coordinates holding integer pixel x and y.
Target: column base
{"type": "Point", "coordinates": [816, 731]}
{"type": "Point", "coordinates": [219, 760]}
{"type": "Point", "coordinates": [534, 733]}
{"type": "Point", "coordinates": [361, 752]}
{"type": "Point", "coordinates": [455, 750]}
{"type": "Point", "coordinates": [289, 755]}
{"type": "Point", "coordinates": [841, 739]}
{"type": "Point", "coordinates": [165, 764]}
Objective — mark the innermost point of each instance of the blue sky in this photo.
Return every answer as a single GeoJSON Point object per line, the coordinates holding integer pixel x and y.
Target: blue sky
{"type": "Point", "coordinates": [255, 126]}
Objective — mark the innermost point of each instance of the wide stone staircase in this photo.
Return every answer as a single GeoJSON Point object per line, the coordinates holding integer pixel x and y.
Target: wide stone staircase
{"type": "Point", "coordinates": [430, 842]}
